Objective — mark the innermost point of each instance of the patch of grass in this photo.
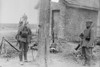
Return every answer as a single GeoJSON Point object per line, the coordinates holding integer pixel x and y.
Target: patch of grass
{"type": "Point", "coordinates": [8, 51]}
{"type": "Point", "coordinates": [10, 54]}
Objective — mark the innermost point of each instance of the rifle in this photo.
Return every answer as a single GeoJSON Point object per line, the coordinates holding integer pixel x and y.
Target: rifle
{"type": "Point", "coordinates": [82, 37]}
{"type": "Point", "coordinates": [11, 45]}
{"type": "Point", "coordinates": [77, 47]}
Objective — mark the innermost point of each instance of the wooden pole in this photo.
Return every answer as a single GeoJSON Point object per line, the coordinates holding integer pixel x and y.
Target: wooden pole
{"type": "Point", "coordinates": [98, 22]}
{"type": "Point", "coordinates": [44, 22]}
{"type": "Point", "coordinates": [1, 45]}
{"type": "Point", "coordinates": [98, 27]}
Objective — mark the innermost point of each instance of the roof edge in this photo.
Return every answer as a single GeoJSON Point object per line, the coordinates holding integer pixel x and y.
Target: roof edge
{"type": "Point", "coordinates": [79, 6]}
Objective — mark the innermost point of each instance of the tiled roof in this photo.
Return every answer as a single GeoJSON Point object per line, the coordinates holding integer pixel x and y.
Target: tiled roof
{"type": "Point", "coordinates": [86, 3]}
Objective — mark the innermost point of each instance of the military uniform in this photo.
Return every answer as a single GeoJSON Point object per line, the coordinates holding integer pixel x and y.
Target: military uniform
{"type": "Point", "coordinates": [23, 42]}
{"type": "Point", "coordinates": [87, 44]}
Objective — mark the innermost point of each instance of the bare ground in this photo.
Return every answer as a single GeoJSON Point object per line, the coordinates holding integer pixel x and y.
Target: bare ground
{"type": "Point", "coordinates": [52, 61]}
{"type": "Point", "coordinates": [64, 59]}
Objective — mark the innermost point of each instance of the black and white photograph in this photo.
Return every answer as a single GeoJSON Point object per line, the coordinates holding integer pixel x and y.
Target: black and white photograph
{"type": "Point", "coordinates": [49, 33]}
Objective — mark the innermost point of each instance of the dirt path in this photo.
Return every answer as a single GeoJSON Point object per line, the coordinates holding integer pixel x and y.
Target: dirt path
{"type": "Point", "coordinates": [15, 62]}
{"type": "Point", "coordinates": [53, 61]}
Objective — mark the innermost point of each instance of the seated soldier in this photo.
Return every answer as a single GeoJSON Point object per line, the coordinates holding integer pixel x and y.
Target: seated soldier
{"type": "Point", "coordinates": [53, 48]}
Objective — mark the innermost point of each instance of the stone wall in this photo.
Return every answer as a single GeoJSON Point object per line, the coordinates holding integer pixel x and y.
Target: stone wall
{"type": "Point", "coordinates": [72, 20]}
{"type": "Point", "coordinates": [75, 20]}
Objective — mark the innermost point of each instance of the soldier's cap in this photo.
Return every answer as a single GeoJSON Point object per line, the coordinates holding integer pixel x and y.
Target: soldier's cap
{"type": "Point", "coordinates": [89, 22]}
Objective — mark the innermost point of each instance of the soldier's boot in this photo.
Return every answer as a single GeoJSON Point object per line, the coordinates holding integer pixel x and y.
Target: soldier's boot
{"type": "Point", "coordinates": [25, 57]}
{"type": "Point", "coordinates": [21, 58]}
{"type": "Point", "coordinates": [87, 62]}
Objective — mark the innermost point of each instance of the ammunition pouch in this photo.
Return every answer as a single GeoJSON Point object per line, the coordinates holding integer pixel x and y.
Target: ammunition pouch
{"type": "Point", "coordinates": [87, 39]}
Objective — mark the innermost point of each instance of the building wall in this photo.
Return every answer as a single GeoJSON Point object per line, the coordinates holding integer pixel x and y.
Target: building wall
{"type": "Point", "coordinates": [75, 21]}
{"type": "Point", "coordinates": [72, 21]}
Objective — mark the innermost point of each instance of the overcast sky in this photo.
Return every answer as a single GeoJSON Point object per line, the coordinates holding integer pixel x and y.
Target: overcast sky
{"type": "Point", "coordinates": [12, 10]}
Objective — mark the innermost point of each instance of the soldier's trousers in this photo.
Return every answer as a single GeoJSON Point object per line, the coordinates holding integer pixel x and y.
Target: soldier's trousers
{"type": "Point", "coordinates": [86, 53]}
{"type": "Point", "coordinates": [23, 50]}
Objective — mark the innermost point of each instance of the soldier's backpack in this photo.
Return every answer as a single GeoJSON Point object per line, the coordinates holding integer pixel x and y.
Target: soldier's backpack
{"type": "Point", "coordinates": [24, 33]}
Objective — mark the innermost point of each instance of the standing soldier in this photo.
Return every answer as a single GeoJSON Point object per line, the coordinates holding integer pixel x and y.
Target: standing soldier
{"type": "Point", "coordinates": [24, 38]}
{"type": "Point", "coordinates": [88, 39]}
